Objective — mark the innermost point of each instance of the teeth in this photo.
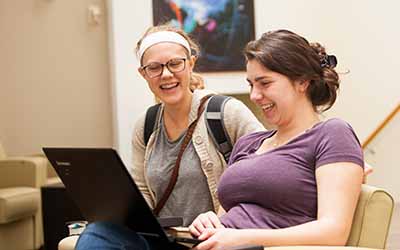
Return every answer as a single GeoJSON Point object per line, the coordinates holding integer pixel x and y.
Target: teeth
{"type": "Point", "coordinates": [169, 85]}
{"type": "Point", "coordinates": [267, 106]}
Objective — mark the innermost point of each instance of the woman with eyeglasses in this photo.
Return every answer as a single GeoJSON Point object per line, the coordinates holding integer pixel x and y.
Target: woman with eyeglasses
{"type": "Point", "coordinates": [167, 57]}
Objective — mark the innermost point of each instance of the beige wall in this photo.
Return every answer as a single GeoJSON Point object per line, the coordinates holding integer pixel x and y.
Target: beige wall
{"type": "Point", "coordinates": [55, 73]}
{"type": "Point", "coordinates": [54, 76]}
{"type": "Point", "coordinates": [379, 153]}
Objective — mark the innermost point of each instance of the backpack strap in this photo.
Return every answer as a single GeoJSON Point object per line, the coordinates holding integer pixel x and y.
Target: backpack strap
{"type": "Point", "coordinates": [215, 124]}
{"type": "Point", "coordinates": [150, 121]}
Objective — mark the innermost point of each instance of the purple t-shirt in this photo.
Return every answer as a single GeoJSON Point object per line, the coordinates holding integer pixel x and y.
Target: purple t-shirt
{"type": "Point", "coordinates": [277, 189]}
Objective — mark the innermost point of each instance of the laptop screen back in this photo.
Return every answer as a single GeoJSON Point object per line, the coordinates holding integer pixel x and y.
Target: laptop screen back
{"type": "Point", "coordinates": [101, 186]}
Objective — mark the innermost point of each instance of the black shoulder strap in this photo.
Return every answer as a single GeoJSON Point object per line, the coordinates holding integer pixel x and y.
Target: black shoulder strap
{"type": "Point", "coordinates": [215, 124]}
{"type": "Point", "coordinates": [150, 121]}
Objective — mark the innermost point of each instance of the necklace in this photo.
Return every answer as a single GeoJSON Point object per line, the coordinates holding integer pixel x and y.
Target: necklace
{"type": "Point", "coordinates": [275, 143]}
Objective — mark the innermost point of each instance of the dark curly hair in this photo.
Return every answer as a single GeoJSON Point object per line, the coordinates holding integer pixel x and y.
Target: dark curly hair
{"type": "Point", "coordinates": [289, 54]}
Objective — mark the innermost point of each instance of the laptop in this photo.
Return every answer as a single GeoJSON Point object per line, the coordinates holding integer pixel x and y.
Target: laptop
{"type": "Point", "coordinates": [99, 183]}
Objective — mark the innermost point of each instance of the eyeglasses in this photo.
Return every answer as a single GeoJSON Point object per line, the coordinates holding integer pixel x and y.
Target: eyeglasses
{"type": "Point", "coordinates": [155, 69]}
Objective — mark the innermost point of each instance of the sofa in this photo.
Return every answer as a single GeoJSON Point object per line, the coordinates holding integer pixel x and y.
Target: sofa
{"type": "Point", "coordinates": [20, 200]}
{"type": "Point", "coordinates": [369, 229]}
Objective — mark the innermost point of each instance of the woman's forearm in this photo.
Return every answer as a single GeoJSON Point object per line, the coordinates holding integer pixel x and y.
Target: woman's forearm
{"type": "Point", "coordinates": [320, 232]}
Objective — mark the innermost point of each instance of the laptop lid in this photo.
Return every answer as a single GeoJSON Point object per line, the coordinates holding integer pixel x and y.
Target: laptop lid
{"type": "Point", "coordinates": [101, 186]}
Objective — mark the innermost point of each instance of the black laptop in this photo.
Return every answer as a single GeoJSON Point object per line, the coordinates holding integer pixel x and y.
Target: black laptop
{"type": "Point", "coordinates": [99, 183]}
{"type": "Point", "coordinates": [101, 186]}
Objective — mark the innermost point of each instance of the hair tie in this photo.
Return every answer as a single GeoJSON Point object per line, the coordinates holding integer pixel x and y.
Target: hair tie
{"type": "Point", "coordinates": [328, 61]}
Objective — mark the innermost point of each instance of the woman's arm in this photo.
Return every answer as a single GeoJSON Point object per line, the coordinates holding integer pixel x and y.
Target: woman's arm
{"type": "Point", "coordinates": [338, 186]}
{"type": "Point", "coordinates": [368, 169]}
{"type": "Point", "coordinates": [138, 155]}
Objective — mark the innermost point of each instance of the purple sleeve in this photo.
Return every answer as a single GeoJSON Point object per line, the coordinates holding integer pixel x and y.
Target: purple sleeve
{"type": "Point", "coordinates": [338, 143]}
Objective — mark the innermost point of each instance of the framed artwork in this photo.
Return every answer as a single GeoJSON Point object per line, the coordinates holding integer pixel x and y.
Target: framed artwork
{"type": "Point", "coordinates": [221, 27]}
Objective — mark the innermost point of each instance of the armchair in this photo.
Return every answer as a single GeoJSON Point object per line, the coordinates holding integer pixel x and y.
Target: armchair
{"type": "Point", "coordinates": [20, 202]}
{"type": "Point", "coordinates": [369, 230]}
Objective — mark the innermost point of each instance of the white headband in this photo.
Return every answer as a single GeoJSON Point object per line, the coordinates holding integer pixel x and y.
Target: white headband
{"type": "Point", "coordinates": [162, 36]}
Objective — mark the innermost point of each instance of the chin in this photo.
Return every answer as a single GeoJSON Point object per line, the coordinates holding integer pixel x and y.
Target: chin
{"type": "Point", "coordinates": [172, 100]}
{"type": "Point", "coordinates": [271, 121]}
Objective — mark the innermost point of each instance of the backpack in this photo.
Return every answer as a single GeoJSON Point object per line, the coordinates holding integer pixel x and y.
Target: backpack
{"type": "Point", "coordinates": [214, 122]}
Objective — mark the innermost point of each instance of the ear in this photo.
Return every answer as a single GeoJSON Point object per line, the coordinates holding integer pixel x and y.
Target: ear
{"type": "Point", "coordinates": [141, 71]}
{"type": "Point", "coordinates": [302, 85]}
{"type": "Point", "coordinates": [192, 62]}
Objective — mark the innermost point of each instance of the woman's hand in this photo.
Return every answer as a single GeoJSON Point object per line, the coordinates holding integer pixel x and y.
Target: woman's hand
{"type": "Point", "coordinates": [221, 238]}
{"type": "Point", "coordinates": [203, 221]}
{"type": "Point", "coordinates": [368, 169]}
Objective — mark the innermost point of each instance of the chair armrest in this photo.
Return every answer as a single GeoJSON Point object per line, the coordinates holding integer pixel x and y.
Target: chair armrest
{"type": "Point", "coordinates": [318, 248]}
{"type": "Point", "coordinates": [69, 243]}
{"type": "Point", "coordinates": [23, 171]}
{"type": "Point", "coordinates": [372, 218]}
{"type": "Point", "coordinates": [18, 203]}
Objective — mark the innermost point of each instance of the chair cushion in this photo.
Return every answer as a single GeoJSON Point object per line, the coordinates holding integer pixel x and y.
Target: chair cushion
{"type": "Point", "coordinates": [17, 203]}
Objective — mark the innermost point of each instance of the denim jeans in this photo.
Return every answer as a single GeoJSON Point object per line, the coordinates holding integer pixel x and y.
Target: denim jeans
{"type": "Point", "coordinates": [109, 236]}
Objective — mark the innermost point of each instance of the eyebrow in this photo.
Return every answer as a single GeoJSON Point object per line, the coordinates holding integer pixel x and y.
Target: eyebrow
{"type": "Point", "coordinates": [259, 78]}
{"type": "Point", "coordinates": [183, 57]}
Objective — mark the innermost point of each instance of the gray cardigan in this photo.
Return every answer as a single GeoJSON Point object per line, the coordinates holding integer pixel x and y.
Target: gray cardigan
{"type": "Point", "coordinates": [238, 120]}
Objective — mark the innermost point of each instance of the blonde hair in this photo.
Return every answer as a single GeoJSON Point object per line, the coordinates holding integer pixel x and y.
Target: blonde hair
{"type": "Point", "coordinates": [196, 80]}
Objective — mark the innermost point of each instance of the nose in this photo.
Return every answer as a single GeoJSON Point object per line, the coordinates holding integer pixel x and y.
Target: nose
{"type": "Point", "coordinates": [165, 72]}
{"type": "Point", "coordinates": [255, 95]}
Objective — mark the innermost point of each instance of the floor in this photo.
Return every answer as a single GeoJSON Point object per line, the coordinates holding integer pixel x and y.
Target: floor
{"type": "Point", "coordinates": [393, 242]}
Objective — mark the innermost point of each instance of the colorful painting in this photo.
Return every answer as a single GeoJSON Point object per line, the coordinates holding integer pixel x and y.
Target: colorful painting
{"type": "Point", "coordinates": [221, 27]}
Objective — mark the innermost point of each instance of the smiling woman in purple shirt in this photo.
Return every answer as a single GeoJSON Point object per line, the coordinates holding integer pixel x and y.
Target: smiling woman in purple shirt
{"type": "Point", "coordinates": [299, 183]}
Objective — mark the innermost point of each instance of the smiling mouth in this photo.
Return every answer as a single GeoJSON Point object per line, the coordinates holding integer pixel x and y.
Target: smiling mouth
{"type": "Point", "coordinates": [169, 86]}
{"type": "Point", "coordinates": [268, 106]}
